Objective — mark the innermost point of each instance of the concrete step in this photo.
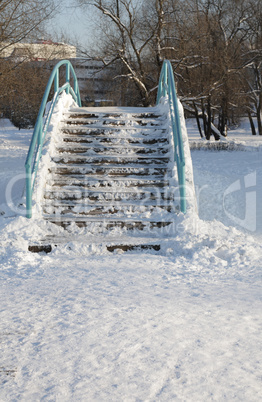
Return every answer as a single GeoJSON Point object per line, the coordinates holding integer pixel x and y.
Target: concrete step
{"type": "Point", "coordinates": [111, 243]}
{"type": "Point", "coordinates": [119, 184]}
{"type": "Point", "coordinates": [108, 171]}
{"type": "Point", "coordinates": [47, 248]}
{"type": "Point", "coordinates": [80, 114]}
{"type": "Point", "coordinates": [113, 150]}
{"type": "Point", "coordinates": [74, 139]}
{"type": "Point", "coordinates": [109, 132]}
{"type": "Point", "coordinates": [109, 160]}
{"type": "Point", "coordinates": [64, 207]}
{"type": "Point", "coordinates": [110, 196]}
{"type": "Point", "coordinates": [111, 120]}
{"type": "Point", "coordinates": [96, 123]}
{"type": "Point", "coordinates": [100, 225]}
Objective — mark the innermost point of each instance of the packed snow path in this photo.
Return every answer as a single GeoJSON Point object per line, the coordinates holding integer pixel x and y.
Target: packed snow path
{"type": "Point", "coordinates": [81, 327]}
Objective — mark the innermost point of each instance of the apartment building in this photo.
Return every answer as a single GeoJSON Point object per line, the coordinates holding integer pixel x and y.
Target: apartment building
{"type": "Point", "coordinates": [95, 81]}
{"type": "Point", "coordinates": [41, 50]}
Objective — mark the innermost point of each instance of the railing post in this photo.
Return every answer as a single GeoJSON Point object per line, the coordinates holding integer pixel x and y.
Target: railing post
{"type": "Point", "coordinates": [160, 90]}
{"type": "Point", "coordinates": [28, 192]}
{"type": "Point", "coordinates": [67, 77]}
{"type": "Point", "coordinates": [182, 189]}
{"type": "Point", "coordinates": [165, 79]}
{"type": "Point", "coordinates": [40, 130]}
{"type": "Point", "coordinates": [163, 82]}
{"type": "Point", "coordinates": [76, 90]}
{"type": "Point", "coordinates": [56, 81]}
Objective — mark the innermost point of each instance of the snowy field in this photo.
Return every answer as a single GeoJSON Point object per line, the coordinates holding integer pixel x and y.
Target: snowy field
{"type": "Point", "coordinates": [186, 325]}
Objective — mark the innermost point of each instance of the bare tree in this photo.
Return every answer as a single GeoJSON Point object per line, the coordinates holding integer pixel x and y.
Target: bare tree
{"type": "Point", "coordinates": [215, 49]}
{"type": "Point", "coordinates": [23, 89]}
{"type": "Point", "coordinates": [252, 61]}
{"type": "Point", "coordinates": [132, 37]}
{"type": "Point", "coordinates": [207, 59]}
{"type": "Point", "coordinates": [20, 20]}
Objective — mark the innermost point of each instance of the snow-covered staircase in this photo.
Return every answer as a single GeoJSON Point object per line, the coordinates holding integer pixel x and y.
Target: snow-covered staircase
{"type": "Point", "coordinates": [111, 177]}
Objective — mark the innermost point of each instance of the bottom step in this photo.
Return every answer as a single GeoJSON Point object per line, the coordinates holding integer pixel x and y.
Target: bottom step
{"type": "Point", "coordinates": [112, 223]}
{"type": "Point", "coordinates": [47, 248]}
{"type": "Point", "coordinates": [40, 248]}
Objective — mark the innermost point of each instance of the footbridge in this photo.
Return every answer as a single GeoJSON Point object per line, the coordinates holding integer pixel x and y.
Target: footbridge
{"type": "Point", "coordinates": [115, 175]}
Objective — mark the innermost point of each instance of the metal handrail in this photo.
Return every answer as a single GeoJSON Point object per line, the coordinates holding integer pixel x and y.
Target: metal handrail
{"type": "Point", "coordinates": [167, 88]}
{"type": "Point", "coordinates": [42, 124]}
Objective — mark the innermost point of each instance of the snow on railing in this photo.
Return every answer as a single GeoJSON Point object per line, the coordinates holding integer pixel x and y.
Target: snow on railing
{"type": "Point", "coordinates": [166, 88]}
{"type": "Point", "coordinates": [42, 124]}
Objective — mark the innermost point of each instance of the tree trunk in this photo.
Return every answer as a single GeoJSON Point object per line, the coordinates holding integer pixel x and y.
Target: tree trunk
{"type": "Point", "coordinates": [209, 116]}
{"type": "Point", "coordinates": [259, 122]}
{"type": "Point", "coordinates": [204, 120]}
{"type": "Point", "coordinates": [223, 118]}
{"type": "Point", "coordinates": [259, 110]}
{"type": "Point", "coordinates": [222, 125]}
{"type": "Point", "coordinates": [252, 125]}
{"type": "Point", "coordinates": [198, 121]}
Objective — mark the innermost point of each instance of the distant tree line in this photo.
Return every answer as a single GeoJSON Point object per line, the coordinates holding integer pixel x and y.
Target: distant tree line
{"type": "Point", "coordinates": [215, 47]}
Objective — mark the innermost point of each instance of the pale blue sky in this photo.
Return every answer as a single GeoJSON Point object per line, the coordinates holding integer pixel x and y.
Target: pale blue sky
{"type": "Point", "coordinates": [73, 22]}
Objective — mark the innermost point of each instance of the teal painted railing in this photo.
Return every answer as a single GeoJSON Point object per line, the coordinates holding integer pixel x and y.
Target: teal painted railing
{"type": "Point", "coordinates": [167, 88]}
{"type": "Point", "coordinates": [42, 124]}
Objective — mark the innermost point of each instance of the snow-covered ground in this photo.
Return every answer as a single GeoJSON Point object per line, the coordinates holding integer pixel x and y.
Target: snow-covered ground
{"type": "Point", "coordinates": [228, 183]}
{"type": "Point", "coordinates": [82, 324]}
{"type": "Point", "coordinates": [14, 146]}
